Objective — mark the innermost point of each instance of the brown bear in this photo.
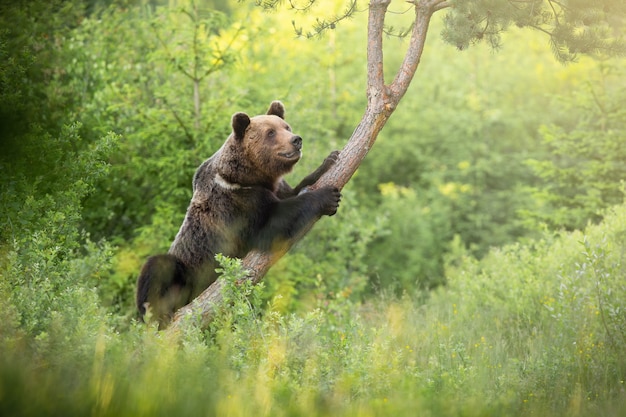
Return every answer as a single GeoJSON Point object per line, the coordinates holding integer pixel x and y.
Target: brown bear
{"type": "Point", "coordinates": [240, 202]}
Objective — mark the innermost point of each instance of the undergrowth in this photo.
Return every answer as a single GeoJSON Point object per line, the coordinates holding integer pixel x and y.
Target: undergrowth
{"type": "Point", "coordinates": [531, 329]}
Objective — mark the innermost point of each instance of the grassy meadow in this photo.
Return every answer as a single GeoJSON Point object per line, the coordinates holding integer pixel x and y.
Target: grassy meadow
{"type": "Point", "coordinates": [532, 329]}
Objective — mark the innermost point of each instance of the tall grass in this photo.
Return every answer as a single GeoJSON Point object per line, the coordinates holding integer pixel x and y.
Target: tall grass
{"type": "Point", "coordinates": [532, 329]}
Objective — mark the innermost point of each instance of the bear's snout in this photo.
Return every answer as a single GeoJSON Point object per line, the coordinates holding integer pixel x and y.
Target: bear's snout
{"type": "Point", "coordinates": [297, 142]}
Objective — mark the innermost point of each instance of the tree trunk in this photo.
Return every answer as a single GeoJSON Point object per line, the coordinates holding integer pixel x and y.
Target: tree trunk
{"type": "Point", "coordinates": [382, 101]}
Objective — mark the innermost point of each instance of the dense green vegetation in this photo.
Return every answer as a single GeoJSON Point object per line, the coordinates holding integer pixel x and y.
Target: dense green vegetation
{"type": "Point", "coordinates": [476, 265]}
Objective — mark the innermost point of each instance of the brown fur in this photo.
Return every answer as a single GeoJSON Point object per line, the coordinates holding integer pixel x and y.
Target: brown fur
{"type": "Point", "coordinates": [240, 202]}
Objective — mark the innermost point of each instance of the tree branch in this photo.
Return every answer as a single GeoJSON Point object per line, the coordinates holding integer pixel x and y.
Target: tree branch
{"type": "Point", "coordinates": [179, 120]}
{"type": "Point", "coordinates": [442, 4]}
{"type": "Point", "coordinates": [375, 70]}
{"type": "Point", "coordinates": [423, 12]}
{"type": "Point", "coordinates": [381, 103]}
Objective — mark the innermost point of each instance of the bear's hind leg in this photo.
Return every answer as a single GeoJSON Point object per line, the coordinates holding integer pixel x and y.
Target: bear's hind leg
{"type": "Point", "coordinates": [162, 286]}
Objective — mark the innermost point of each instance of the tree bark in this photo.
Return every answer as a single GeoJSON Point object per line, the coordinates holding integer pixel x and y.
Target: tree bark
{"type": "Point", "coordinates": [382, 101]}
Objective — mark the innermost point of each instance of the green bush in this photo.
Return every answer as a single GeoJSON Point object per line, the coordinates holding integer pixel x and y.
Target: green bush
{"type": "Point", "coordinates": [530, 329]}
{"type": "Point", "coordinates": [408, 253]}
{"type": "Point", "coordinates": [51, 266]}
{"type": "Point", "coordinates": [583, 173]}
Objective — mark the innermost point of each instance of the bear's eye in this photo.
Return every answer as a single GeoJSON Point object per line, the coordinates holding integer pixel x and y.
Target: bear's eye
{"type": "Point", "coordinates": [271, 133]}
{"type": "Point", "coordinates": [288, 128]}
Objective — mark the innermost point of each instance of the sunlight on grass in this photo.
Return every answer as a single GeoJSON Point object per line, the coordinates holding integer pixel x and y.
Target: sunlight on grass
{"type": "Point", "coordinates": [529, 330]}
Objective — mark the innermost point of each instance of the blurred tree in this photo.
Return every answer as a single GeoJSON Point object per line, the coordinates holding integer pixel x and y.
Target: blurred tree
{"type": "Point", "coordinates": [574, 27]}
{"type": "Point", "coordinates": [30, 42]}
{"type": "Point", "coordinates": [585, 170]}
{"type": "Point", "coordinates": [164, 94]}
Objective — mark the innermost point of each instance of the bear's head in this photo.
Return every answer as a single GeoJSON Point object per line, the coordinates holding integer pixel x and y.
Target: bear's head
{"type": "Point", "coordinates": [267, 145]}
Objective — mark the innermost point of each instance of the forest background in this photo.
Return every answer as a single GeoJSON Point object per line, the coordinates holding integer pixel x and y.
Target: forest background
{"type": "Point", "coordinates": [475, 266]}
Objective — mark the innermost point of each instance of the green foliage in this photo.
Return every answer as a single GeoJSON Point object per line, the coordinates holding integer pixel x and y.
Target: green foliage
{"type": "Point", "coordinates": [30, 56]}
{"type": "Point", "coordinates": [530, 329]}
{"type": "Point", "coordinates": [407, 256]}
{"type": "Point", "coordinates": [533, 328]}
{"type": "Point", "coordinates": [241, 299]}
{"type": "Point", "coordinates": [555, 293]}
{"type": "Point", "coordinates": [573, 27]}
{"type": "Point", "coordinates": [583, 172]}
{"type": "Point", "coordinates": [157, 92]}
{"type": "Point", "coordinates": [51, 264]}
{"type": "Point", "coordinates": [30, 40]}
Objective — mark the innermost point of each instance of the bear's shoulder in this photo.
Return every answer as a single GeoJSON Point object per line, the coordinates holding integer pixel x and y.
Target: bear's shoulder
{"type": "Point", "coordinates": [206, 172]}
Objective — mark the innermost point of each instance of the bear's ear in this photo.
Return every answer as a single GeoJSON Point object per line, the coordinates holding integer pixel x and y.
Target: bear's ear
{"type": "Point", "coordinates": [277, 109]}
{"type": "Point", "coordinates": [240, 123]}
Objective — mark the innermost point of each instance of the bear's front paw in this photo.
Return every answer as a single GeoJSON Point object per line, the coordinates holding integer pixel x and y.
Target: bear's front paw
{"type": "Point", "coordinates": [330, 160]}
{"type": "Point", "coordinates": [329, 198]}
